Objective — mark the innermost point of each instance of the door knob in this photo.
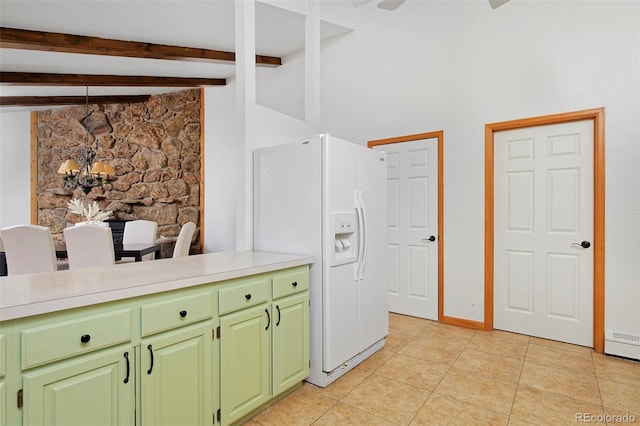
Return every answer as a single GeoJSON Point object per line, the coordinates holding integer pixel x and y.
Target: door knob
{"type": "Point", "coordinates": [431, 238]}
{"type": "Point", "coordinates": [584, 244]}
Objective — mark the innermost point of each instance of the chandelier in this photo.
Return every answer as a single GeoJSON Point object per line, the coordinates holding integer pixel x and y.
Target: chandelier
{"type": "Point", "coordinates": [84, 173]}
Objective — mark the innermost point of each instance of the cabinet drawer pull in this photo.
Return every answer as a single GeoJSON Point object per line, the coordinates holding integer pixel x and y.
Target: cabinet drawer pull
{"type": "Point", "coordinates": [294, 284]}
{"type": "Point", "coordinates": [268, 319]}
{"type": "Point", "coordinates": [126, 356]}
{"type": "Point", "coordinates": [85, 338]}
{"type": "Point", "coordinates": [247, 296]}
{"type": "Point", "coordinates": [151, 354]}
{"type": "Point", "coordinates": [278, 322]}
{"type": "Point", "coordinates": [183, 314]}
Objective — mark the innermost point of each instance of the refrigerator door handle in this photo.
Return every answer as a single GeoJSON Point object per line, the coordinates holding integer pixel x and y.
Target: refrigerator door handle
{"type": "Point", "coordinates": [365, 241]}
{"type": "Point", "coordinates": [359, 217]}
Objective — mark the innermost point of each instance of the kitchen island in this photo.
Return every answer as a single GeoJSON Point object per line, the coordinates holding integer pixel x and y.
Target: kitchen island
{"type": "Point", "coordinates": [206, 339]}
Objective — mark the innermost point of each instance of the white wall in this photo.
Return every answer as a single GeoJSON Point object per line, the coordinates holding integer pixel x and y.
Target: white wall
{"type": "Point", "coordinates": [15, 168]}
{"type": "Point", "coordinates": [272, 128]}
{"type": "Point", "coordinates": [458, 65]}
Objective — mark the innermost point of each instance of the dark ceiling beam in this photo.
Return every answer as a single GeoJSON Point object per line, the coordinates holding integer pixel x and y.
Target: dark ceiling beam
{"type": "Point", "coordinates": [14, 38]}
{"type": "Point", "coordinates": [70, 100]}
{"type": "Point", "coordinates": [49, 79]}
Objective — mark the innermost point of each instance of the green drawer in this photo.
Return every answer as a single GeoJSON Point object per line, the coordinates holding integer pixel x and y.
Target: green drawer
{"type": "Point", "coordinates": [176, 312]}
{"type": "Point", "coordinates": [244, 294]}
{"type": "Point", "coordinates": [290, 282]}
{"type": "Point", "coordinates": [41, 345]}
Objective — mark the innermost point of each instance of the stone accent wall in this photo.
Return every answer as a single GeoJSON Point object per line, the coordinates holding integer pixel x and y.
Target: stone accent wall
{"type": "Point", "coordinates": [153, 146]}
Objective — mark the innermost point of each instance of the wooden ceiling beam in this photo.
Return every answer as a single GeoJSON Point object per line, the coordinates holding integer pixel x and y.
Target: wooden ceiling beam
{"type": "Point", "coordinates": [70, 100]}
{"type": "Point", "coordinates": [49, 79]}
{"type": "Point", "coordinates": [14, 38]}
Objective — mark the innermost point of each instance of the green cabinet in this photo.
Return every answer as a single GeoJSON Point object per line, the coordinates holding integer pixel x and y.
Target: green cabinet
{"type": "Point", "coordinates": [245, 344]}
{"type": "Point", "coordinates": [208, 354]}
{"type": "Point", "coordinates": [96, 389]}
{"type": "Point", "coordinates": [290, 342]}
{"type": "Point", "coordinates": [175, 377]}
{"type": "Point", "coordinates": [264, 340]}
{"type": "Point", "coordinates": [3, 357]}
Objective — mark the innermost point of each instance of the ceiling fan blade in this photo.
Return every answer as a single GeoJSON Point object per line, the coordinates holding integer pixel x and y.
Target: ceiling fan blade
{"type": "Point", "coordinates": [390, 4]}
{"type": "Point", "coordinates": [497, 3]}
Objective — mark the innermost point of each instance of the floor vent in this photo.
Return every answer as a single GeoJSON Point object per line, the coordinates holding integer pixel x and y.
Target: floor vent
{"type": "Point", "coordinates": [616, 336]}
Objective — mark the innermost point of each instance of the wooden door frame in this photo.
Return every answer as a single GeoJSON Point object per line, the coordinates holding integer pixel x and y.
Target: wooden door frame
{"type": "Point", "coordinates": [597, 116]}
{"type": "Point", "coordinates": [439, 134]}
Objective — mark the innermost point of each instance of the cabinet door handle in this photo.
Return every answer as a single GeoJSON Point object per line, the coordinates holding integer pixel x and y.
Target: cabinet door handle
{"type": "Point", "coordinates": [151, 354]}
{"type": "Point", "coordinates": [85, 338]}
{"type": "Point", "coordinates": [278, 322]}
{"type": "Point", "coordinates": [183, 314]}
{"type": "Point", "coordinates": [294, 284]}
{"type": "Point", "coordinates": [126, 356]}
{"type": "Point", "coordinates": [247, 296]}
{"type": "Point", "coordinates": [268, 319]}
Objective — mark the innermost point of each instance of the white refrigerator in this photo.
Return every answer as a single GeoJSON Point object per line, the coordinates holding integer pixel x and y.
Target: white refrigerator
{"type": "Point", "coordinates": [326, 197]}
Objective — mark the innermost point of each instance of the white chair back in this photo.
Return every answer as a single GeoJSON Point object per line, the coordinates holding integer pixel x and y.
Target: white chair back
{"type": "Point", "coordinates": [140, 232]}
{"type": "Point", "coordinates": [183, 243]}
{"type": "Point", "coordinates": [89, 245]}
{"type": "Point", "coordinates": [28, 249]}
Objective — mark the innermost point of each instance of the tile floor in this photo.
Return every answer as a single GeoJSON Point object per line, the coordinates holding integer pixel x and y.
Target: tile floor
{"type": "Point", "coordinates": [430, 373]}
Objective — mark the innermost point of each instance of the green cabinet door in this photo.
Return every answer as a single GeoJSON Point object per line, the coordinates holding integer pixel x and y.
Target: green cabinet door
{"type": "Point", "coordinates": [3, 407]}
{"type": "Point", "coordinates": [175, 376]}
{"type": "Point", "coordinates": [86, 390]}
{"type": "Point", "coordinates": [245, 363]}
{"type": "Point", "coordinates": [290, 341]}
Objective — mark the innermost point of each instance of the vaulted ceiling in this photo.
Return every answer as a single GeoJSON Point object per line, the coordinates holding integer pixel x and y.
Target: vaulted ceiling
{"type": "Point", "coordinates": [51, 50]}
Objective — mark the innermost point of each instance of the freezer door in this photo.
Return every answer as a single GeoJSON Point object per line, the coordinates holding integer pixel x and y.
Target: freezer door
{"type": "Point", "coordinates": [340, 291]}
{"type": "Point", "coordinates": [373, 296]}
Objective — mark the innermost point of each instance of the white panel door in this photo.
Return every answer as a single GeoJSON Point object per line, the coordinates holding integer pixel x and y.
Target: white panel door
{"type": "Point", "coordinates": [543, 203]}
{"type": "Point", "coordinates": [412, 219]}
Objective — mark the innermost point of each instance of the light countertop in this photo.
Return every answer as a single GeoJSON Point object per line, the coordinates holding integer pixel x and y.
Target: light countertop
{"type": "Point", "coordinates": [34, 294]}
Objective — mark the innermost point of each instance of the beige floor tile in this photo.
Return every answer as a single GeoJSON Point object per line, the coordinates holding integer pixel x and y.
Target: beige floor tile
{"type": "Point", "coordinates": [447, 333]}
{"type": "Point", "coordinates": [302, 407]}
{"type": "Point", "coordinates": [440, 410]}
{"type": "Point", "coordinates": [437, 374]}
{"type": "Point", "coordinates": [560, 358]}
{"type": "Point", "coordinates": [545, 408]}
{"type": "Point", "coordinates": [345, 414]}
{"type": "Point", "coordinates": [483, 391]}
{"type": "Point", "coordinates": [522, 338]}
{"type": "Point", "coordinates": [407, 325]}
{"type": "Point", "coordinates": [620, 396]}
{"type": "Point", "coordinates": [413, 371]}
{"type": "Point", "coordinates": [433, 350]}
{"type": "Point", "coordinates": [500, 343]}
{"type": "Point", "coordinates": [396, 341]}
{"type": "Point", "coordinates": [617, 370]}
{"type": "Point", "coordinates": [388, 399]}
{"type": "Point", "coordinates": [345, 384]}
{"type": "Point", "coordinates": [514, 421]}
{"type": "Point", "coordinates": [500, 367]}
{"type": "Point", "coordinates": [251, 423]}
{"type": "Point", "coordinates": [568, 383]}
{"type": "Point", "coordinates": [560, 345]}
{"type": "Point", "coordinates": [375, 361]}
